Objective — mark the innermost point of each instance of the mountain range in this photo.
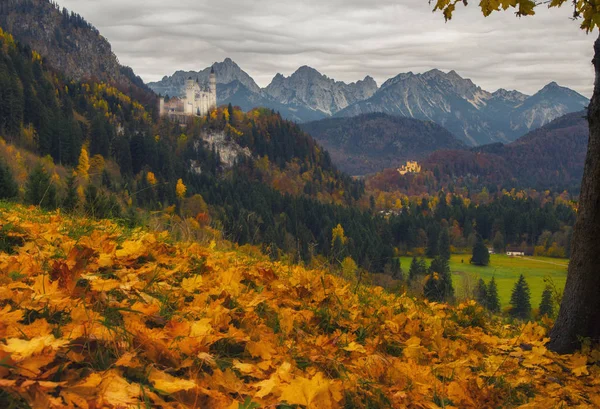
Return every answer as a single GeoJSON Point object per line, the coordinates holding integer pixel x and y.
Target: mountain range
{"type": "Point", "coordinates": [474, 115]}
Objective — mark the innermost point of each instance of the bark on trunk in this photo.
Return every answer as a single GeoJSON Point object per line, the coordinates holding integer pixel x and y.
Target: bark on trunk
{"type": "Point", "coordinates": [579, 315]}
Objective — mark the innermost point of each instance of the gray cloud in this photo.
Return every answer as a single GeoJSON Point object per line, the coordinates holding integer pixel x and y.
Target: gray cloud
{"type": "Point", "coordinates": [345, 40]}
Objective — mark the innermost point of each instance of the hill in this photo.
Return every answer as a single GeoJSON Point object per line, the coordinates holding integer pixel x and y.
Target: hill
{"type": "Point", "coordinates": [371, 142]}
{"type": "Point", "coordinates": [69, 44]}
{"type": "Point", "coordinates": [121, 318]}
{"type": "Point", "coordinates": [551, 157]}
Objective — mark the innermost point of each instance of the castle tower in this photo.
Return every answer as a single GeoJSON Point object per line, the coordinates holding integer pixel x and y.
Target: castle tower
{"type": "Point", "coordinates": [161, 106]}
{"type": "Point", "coordinates": [213, 89]}
{"type": "Point", "coordinates": [190, 95]}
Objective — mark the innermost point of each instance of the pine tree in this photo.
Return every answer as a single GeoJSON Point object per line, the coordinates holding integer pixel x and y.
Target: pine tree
{"type": "Point", "coordinates": [493, 301]}
{"type": "Point", "coordinates": [396, 269]}
{"type": "Point", "coordinates": [481, 255]}
{"type": "Point", "coordinates": [71, 198]}
{"type": "Point", "coordinates": [8, 186]}
{"type": "Point", "coordinates": [520, 300]}
{"type": "Point", "coordinates": [417, 268]}
{"type": "Point", "coordinates": [481, 293]}
{"type": "Point", "coordinates": [444, 244]}
{"type": "Point", "coordinates": [39, 189]}
{"type": "Point", "coordinates": [547, 305]}
{"type": "Point", "coordinates": [438, 286]}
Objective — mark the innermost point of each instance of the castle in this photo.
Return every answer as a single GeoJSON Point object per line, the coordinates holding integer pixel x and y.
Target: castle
{"type": "Point", "coordinates": [410, 167]}
{"type": "Point", "coordinates": [198, 100]}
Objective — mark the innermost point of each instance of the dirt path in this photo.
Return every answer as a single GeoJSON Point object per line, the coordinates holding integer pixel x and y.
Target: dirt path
{"type": "Point", "coordinates": [543, 261]}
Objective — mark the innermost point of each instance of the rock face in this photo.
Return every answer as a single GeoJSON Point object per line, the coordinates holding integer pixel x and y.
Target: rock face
{"type": "Point", "coordinates": [471, 113]}
{"type": "Point", "coordinates": [369, 143]}
{"type": "Point", "coordinates": [226, 71]}
{"type": "Point", "coordinates": [309, 88]}
{"type": "Point", "coordinates": [67, 42]}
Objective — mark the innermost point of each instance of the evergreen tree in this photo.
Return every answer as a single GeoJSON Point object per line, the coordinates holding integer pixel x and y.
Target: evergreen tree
{"type": "Point", "coordinates": [8, 186]}
{"type": "Point", "coordinates": [396, 269]}
{"type": "Point", "coordinates": [498, 243]}
{"type": "Point", "coordinates": [481, 293]}
{"type": "Point", "coordinates": [71, 199]}
{"type": "Point", "coordinates": [444, 244]}
{"type": "Point", "coordinates": [547, 305]}
{"type": "Point", "coordinates": [520, 299]}
{"type": "Point", "coordinates": [438, 286]}
{"type": "Point", "coordinates": [481, 255]}
{"type": "Point", "coordinates": [39, 189]}
{"type": "Point", "coordinates": [417, 268]}
{"type": "Point", "coordinates": [493, 301]}
{"type": "Point", "coordinates": [99, 205]}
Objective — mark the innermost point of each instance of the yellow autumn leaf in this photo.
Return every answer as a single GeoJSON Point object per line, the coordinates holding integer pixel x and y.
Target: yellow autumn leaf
{"type": "Point", "coordinates": [260, 349]}
{"type": "Point", "coordinates": [169, 384]}
{"type": "Point", "coordinates": [20, 348]}
{"type": "Point", "coordinates": [266, 387]}
{"type": "Point", "coordinates": [201, 328]}
{"type": "Point", "coordinates": [103, 285]}
{"type": "Point", "coordinates": [115, 391]}
{"type": "Point", "coordinates": [355, 347]}
{"type": "Point", "coordinates": [191, 284]}
{"type": "Point", "coordinates": [578, 365]}
{"type": "Point", "coordinates": [303, 391]}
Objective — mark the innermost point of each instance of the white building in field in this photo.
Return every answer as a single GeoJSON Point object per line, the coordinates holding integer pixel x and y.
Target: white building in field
{"type": "Point", "coordinates": [199, 99]}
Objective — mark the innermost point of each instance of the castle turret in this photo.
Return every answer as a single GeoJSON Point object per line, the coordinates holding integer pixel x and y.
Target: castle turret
{"type": "Point", "coordinates": [161, 106]}
{"type": "Point", "coordinates": [213, 88]}
{"type": "Point", "coordinates": [189, 96]}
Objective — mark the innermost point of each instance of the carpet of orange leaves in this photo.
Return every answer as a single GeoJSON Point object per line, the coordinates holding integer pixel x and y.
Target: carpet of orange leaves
{"type": "Point", "coordinates": [95, 316]}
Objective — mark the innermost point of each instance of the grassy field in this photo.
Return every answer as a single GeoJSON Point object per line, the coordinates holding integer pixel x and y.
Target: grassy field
{"type": "Point", "coordinates": [506, 270]}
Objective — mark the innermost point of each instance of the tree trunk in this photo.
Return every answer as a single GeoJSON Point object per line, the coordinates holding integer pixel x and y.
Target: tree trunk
{"type": "Point", "coordinates": [579, 315]}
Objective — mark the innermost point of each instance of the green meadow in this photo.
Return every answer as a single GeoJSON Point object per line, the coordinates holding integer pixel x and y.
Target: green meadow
{"type": "Point", "coordinates": [506, 270]}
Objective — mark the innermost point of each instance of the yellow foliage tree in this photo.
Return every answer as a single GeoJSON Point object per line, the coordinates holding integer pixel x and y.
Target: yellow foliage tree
{"type": "Point", "coordinates": [150, 178]}
{"type": "Point", "coordinates": [97, 165]}
{"type": "Point", "coordinates": [84, 164]}
{"type": "Point", "coordinates": [180, 189]}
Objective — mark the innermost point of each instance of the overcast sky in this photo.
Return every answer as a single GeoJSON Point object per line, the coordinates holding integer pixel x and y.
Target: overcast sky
{"type": "Point", "coordinates": [345, 40]}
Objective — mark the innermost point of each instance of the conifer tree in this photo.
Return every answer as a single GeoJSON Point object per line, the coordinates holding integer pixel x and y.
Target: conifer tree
{"type": "Point", "coordinates": [396, 269]}
{"type": "Point", "coordinates": [8, 186]}
{"type": "Point", "coordinates": [520, 300]}
{"type": "Point", "coordinates": [39, 189]}
{"type": "Point", "coordinates": [417, 268]}
{"type": "Point", "coordinates": [493, 301]}
{"type": "Point", "coordinates": [481, 293]}
{"type": "Point", "coordinates": [481, 255]}
{"type": "Point", "coordinates": [444, 244]}
{"type": "Point", "coordinates": [71, 198]}
{"type": "Point", "coordinates": [438, 286]}
{"type": "Point", "coordinates": [547, 305]}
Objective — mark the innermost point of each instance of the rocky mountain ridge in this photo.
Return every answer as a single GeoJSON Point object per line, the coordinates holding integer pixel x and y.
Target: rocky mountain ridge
{"type": "Point", "coordinates": [474, 115]}
{"type": "Point", "coordinates": [68, 43]}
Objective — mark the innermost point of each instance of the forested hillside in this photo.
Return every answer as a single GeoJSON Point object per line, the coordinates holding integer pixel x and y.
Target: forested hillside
{"type": "Point", "coordinates": [551, 157]}
{"type": "Point", "coordinates": [69, 44]}
{"type": "Point", "coordinates": [370, 143]}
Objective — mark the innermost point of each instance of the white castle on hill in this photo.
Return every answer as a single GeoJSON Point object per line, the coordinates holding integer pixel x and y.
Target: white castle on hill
{"type": "Point", "coordinates": [198, 100]}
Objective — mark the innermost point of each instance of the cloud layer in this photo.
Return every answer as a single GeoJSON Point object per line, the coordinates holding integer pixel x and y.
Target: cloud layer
{"type": "Point", "coordinates": [345, 40]}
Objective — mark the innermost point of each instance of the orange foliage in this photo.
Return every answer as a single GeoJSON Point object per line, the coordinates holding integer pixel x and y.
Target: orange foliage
{"type": "Point", "coordinates": [96, 317]}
